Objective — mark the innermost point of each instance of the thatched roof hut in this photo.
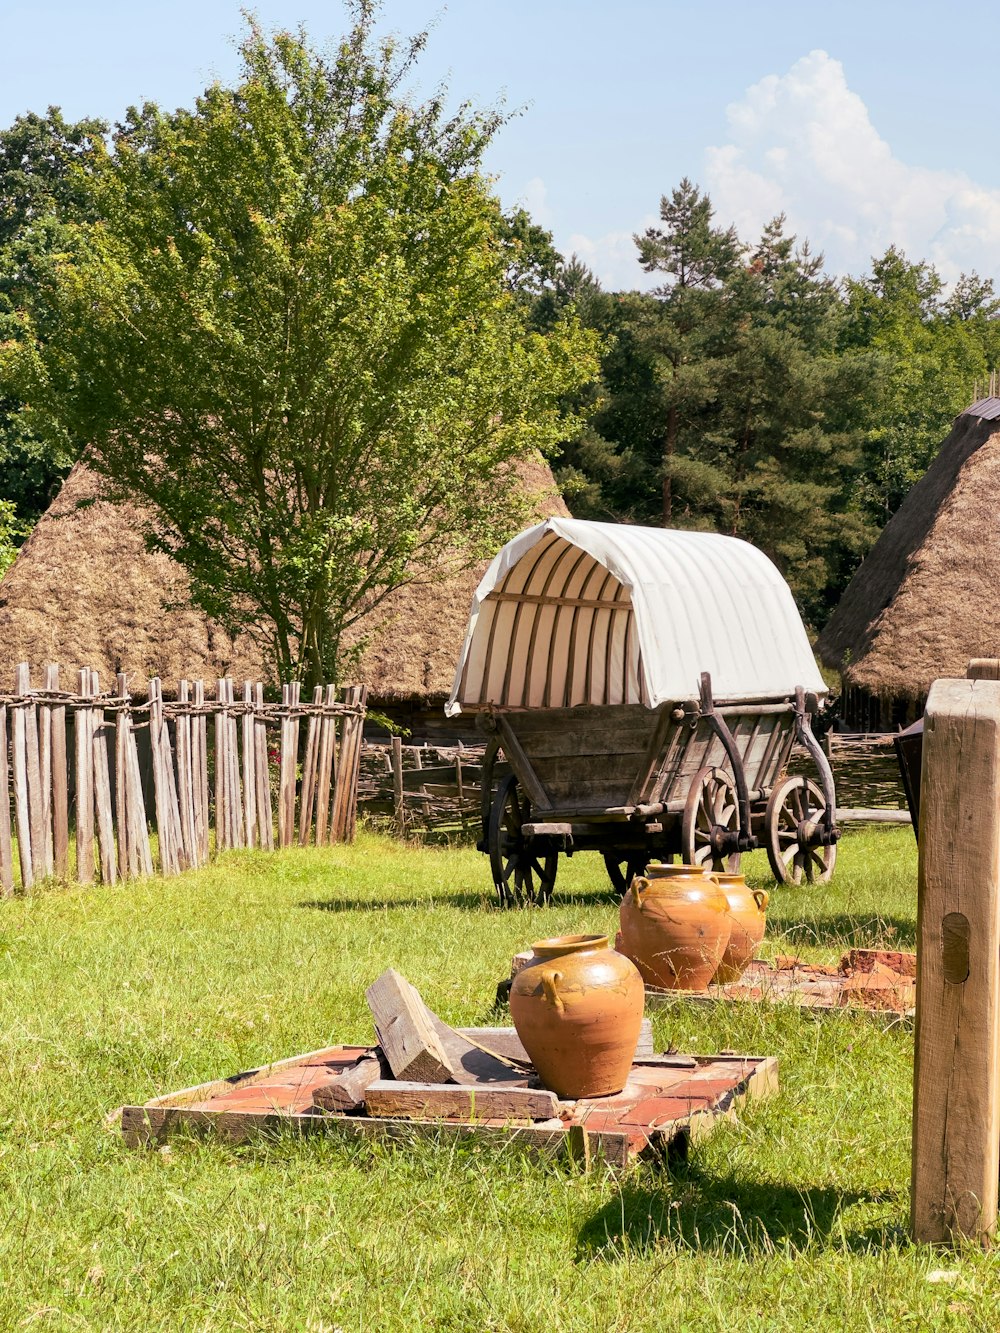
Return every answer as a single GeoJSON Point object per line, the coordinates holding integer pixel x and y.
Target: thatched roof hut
{"type": "Point", "coordinates": [84, 591]}
{"type": "Point", "coordinates": [924, 600]}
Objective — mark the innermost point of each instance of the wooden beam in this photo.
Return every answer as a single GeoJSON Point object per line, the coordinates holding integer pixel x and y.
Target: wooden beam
{"type": "Point", "coordinates": [411, 1045]}
{"type": "Point", "coordinates": [390, 1097]}
{"type": "Point", "coordinates": [346, 1092]}
{"type": "Point", "coordinates": [956, 1091]}
{"type": "Point", "coordinates": [546, 599]}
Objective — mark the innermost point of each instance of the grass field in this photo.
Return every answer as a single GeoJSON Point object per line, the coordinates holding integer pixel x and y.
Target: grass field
{"type": "Point", "coordinates": [792, 1219]}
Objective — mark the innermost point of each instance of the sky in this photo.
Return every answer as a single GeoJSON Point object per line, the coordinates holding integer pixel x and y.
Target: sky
{"type": "Point", "coordinates": [867, 124]}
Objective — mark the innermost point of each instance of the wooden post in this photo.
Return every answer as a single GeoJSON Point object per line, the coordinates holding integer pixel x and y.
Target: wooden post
{"type": "Point", "coordinates": [6, 847]}
{"type": "Point", "coordinates": [327, 750]}
{"type": "Point", "coordinates": [398, 809]}
{"type": "Point", "coordinates": [140, 856]}
{"type": "Point", "coordinates": [45, 774]}
{"type": "Point", "coordinates": [83, 746]}
{"type": "Point", "coordinates": [309, 769]}
{"type": "Point", "coordinates": [222, 837]}
{"type": "Point", "coordinates": [127, 860]}
{"type": "Point", "coordinates": [289, 762]}
{"type": "Point", "coordinates": [345, 797]}
{"type": "Point", "coordinates": [60, 781]}
{"type": "Point", "coordinates": [29, 725]}
{"type": "Point", "coordinates": [102, 791]}
{"type": "Point", "coordinates": [956, 1089]}
{"type": "Point", "coordinates": [234, 812]}
{"type": "Point", "coordinates": [249, 766]}
{"type": "Point", "coordinates": [199, 765]}
{"type": "Point", "coordinates": [265, 813]}
{"type": "Point", "coordinates": [185, 773]}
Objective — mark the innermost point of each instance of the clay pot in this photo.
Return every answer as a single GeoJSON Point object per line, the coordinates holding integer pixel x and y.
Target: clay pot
{"type": "Point", "coordinates": [577, 1007]}
{"type": "Point", "coordinates": [747, 909]}
{"type": "Point", "coordinates": [675, 926]}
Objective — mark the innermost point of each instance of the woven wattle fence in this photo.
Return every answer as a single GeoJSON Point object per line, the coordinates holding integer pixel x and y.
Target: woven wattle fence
{"type": "Point", "coordinates": [119, 771]}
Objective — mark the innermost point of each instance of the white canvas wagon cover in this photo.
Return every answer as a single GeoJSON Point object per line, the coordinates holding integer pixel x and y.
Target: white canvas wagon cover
{"type": "Point", "coordinates": [573, 612]}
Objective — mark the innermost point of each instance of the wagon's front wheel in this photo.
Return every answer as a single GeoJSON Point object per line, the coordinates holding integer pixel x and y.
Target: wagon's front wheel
{"type": "Point", "coordinates": [711, 817]}
{"type": "Point", "coordinates": [520, 873]}
{"type": "Point", "coordinates": [793, 823]}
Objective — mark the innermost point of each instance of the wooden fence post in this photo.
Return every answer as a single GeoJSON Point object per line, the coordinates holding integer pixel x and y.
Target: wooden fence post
{"type": "Point", "coordinates": [60, 780]}
{"type": "Point", "coordinates": [234, 813]}
{"type": "Point", "coordinates": [265, 812]}
{"type": "Point", "coordinates": [289, 763]}
{"type": "Point", "coordinates": [327, 756]}
{"type": "Point", "coordinates": [310, 769]}
{"type": "Point", "coordinates": [6, 846]}
{"type": "Point", "coordinates": [956, 1087]}
{"type": "Point", "coordinates": [249, 765]}
{"type": "Point", "coordinates": [83, 746]}
{"type": "Point", "coordinates": [199, 766]}
{"type": "Point", "coordinates": [102, 790]}
{"type": "Point", "coordinates": [345, 796]}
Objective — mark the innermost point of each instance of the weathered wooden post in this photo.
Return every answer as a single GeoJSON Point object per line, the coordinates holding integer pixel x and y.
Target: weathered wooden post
{"type": "Point", "coordinates": [956, 1089]}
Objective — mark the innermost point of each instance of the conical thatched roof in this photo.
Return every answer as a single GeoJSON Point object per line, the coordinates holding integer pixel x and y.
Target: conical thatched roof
{"type": "Point", "coordinates": [925, 599]}
{"type": "Point", "coordinates": [85, 592]}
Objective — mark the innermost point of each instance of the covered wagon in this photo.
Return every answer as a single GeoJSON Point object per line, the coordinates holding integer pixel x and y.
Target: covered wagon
{"type": "Point", "coordinates": [641, 689]}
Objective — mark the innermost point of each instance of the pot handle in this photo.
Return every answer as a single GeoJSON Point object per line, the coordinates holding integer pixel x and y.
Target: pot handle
{"type": "Point", "coordinates": [762, 898]}
{"type": "Point", "coordinates": [637, 888]}
{"type": "Point", "coordinates": [550, 980]}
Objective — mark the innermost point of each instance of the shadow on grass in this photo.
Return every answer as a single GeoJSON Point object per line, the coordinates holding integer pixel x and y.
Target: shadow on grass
{"type": "Point", "coordinates": [462, 902]}
{"type": "Point", "coordinates": [863, 930]}
{"type": "Point", "coordinates": [721, 1214]}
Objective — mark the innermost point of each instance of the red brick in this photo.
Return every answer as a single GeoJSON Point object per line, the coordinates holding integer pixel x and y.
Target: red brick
{"type": "Point", "coordinates": [658, 1111]}
{"type": "Point", "coordinates": [597, 1122]}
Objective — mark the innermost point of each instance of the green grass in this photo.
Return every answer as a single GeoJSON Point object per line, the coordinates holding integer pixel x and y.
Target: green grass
{"type": "Point", "coordinates": [792, 1218]}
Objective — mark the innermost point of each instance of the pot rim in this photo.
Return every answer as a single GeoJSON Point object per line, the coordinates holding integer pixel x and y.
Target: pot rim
{"type": "Point", "coordinates": [562, 944]}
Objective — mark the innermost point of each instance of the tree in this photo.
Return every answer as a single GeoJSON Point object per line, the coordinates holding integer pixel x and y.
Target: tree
{"type": "Point", "coordinates": [45, 163]}
{"type": "Point", "coordinates": [291, 334]}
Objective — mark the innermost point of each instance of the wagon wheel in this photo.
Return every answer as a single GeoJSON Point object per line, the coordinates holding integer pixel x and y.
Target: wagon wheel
{"type": "Point", "coordinates": [711, 811]}
{"type": "Point", "coordinates": [519, 873]}
{"type": "Point", "coordinates": [622, 868]}
{"type": "Point", "coordinates": [794, 812]}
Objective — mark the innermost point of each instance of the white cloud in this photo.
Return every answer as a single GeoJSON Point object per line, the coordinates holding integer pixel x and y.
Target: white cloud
{"type": "Point", "coordinates": [535, 198]}
{"type": "Point", "coordinates": [613, 257]}
{"type": "Point", "coordinates": [802, 143]}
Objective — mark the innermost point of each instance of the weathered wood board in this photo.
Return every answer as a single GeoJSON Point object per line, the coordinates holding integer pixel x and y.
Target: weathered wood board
{"type": "Point", "coordinates": [666, 1102]}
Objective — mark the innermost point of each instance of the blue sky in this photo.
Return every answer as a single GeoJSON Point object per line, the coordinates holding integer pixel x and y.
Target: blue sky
{"type": "Point", "coordinates": [866, 123]}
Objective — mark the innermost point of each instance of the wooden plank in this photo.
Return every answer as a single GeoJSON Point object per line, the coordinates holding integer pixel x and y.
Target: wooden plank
{"type": "Point", "coordinates": [288, 763]}
{"type": "Point", "coordinates": [170, 852]}
{"type": "Point", "coordinates": [60, 782]}
{"type": "Point", "coordinates": [956, 1092]}
{"type": "Point", "coordinates": [140, 855]}
{"type": "Point", "coordinates": [6, 845]}
{"type": "Point", "coordinates": [29, 722]}
{"type": "Point", "coordinates": [399, 810]}
{"type": "Point", "coordinates": [185, 772]}
{"type": "Point", "coordinates": [102, 793]}
{"type": "Point", "coordinates": [249, 767]}
{"type": "Point", "coordinates": [346, 1092]}
{"type": "Point", "coordinates": [983, 668]}
{"type": "Point", "coordinates": [327, 747]}
{"type": "Point", "coordinates": [469, 1062]}
{"type": "Point", "coordinates": [345, 798]}
{"type": "Point", "coordinates": [223, 835]}
{"type": "Point", "coordinates": [45, 774]}
{"type": "Point", "coordinates": [265, 813]}
{"type": "Point", "coordinates": [83, 746]}
{"type": "Point", "coordinates": [411, 1045]}
{"type": "Point", "coordinates": [522, 766]}
{"type": "Point", "coordinates": [199, 768]}
{"type": "Point", "coordinates": [309, 770]}
{"type": "Point", "coordinates": [233, 777]}
{"type": "Point", "coordinates": [392, 1097]}
{"type": "Point", "coordinates": [127, 859]}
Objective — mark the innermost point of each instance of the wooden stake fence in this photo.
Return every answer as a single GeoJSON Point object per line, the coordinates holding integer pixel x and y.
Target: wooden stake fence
{"type": "Point", "coordinates": [88, 751]}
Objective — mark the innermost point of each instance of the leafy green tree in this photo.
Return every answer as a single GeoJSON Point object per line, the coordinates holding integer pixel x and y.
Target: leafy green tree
{"type": "Point", "coordinates": [932, 349]}
{"type": "Point", "coordinates": [292, 334]}
{"type": "Point", "coordinates": [45, 163]}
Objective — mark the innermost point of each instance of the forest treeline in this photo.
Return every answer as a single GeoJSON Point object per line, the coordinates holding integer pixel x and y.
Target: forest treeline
{"type": "Point", "coordinates": [749, 392]}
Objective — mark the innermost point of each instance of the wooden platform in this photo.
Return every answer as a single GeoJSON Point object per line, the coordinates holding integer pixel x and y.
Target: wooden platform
{"type": "Point", "coordinates": [879, 983]}
{"type": "Point", "coordinates": [668, 1100]}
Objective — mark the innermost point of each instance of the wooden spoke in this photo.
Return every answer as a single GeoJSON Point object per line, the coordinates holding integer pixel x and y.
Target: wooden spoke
{"type": "Point", "coordinates": [711, 807]}
{"type": "Point", "coordinates": [794, 815]}
{"type": "Point", "coordinates": [622, 868]}
{"type": "Point", "coordinates": [520, 873]}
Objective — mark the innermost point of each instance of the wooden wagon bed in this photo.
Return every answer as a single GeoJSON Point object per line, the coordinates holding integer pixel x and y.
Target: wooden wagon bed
{"type": "Point", "coordinates": [668, 1100]}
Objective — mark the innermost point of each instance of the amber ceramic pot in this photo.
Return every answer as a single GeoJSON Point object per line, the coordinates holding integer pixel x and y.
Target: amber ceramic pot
{"type": "Point", "coordinates": [747, 911]}
{"type": "Point", "coordinates": [577, 1007]}
{"type": "Point", "coordinates": [675, 926]}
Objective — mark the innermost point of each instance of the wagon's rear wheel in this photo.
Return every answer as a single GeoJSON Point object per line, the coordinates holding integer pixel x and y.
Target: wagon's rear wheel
{"type": "Point", "coordinates": [520, 873]}
{"type": "Point", "coordinates": [712, 811]}
{"type": "Point", "coordinates": [793, 822]}
{"type": "Point", "coordinates": [622, 868]}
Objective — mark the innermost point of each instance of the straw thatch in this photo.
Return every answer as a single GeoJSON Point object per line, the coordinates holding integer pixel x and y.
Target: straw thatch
{"type": "Point", "coordinates": [85, 592]}
{"type": "Point", "coordinates": [925, 599]}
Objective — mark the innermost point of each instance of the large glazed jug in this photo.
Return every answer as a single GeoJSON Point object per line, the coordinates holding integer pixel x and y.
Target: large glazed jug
{"type": "Point", "coordinates": [577, 1007]}
{"type": "Point", "coordinates": [747, 911]}
{"type": "Point", "coordinates": [675, 926]}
